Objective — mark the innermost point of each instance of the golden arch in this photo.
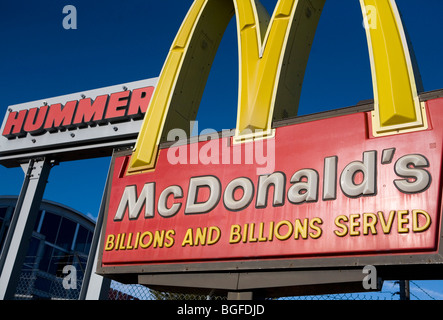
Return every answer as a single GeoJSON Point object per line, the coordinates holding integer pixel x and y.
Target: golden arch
{"type": "Point", "coordinates": [273, 54]}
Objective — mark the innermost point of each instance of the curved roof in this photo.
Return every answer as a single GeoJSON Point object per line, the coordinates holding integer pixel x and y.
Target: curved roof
{"type": "Point", "coordinates": [55, 207]}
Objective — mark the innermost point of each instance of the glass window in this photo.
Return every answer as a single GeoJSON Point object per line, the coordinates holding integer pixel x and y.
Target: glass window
{"type": "Point", "coordinates": [80, 262]}
{"type": "Point", "coordinates": [32, 254]}
{"type": "Point", "coordinates": [2, 212]}
{"type": "Point", "coordinates": [88, 242]}
{"type": "Point", "coordinates": [46, 258]}
{"type": "Point", "coordinates": [50, 226]}
{"type": "Point", "coordinates": [37, 222]}
{"type": "Point", "coordinates": [3, 236]}
{"type": "Point", "coordinates": [82, 240]}
{"type": "Point", "coordinates": [59, 260]}
{"type": "Point", "coordinates": [66, 234]}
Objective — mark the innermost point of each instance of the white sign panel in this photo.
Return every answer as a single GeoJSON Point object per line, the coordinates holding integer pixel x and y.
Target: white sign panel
{"type": "Point", "coordinates": [91, 119]}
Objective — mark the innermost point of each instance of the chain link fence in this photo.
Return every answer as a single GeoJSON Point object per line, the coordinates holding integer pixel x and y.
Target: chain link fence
{"type": "Point", "coordinates": [121, 291]}
{"type": "Point", "coordinates": [38, 285]}
{"type": "Point", "coordinates": [35, 284]}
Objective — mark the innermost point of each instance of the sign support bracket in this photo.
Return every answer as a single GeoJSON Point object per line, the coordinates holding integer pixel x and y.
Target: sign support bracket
{"type": "Point", "coordinates": [256, 285]}
{"type": "Point", "coordinates": [22, 225]}
{"type": "Point", "coordinates": [404, 290]}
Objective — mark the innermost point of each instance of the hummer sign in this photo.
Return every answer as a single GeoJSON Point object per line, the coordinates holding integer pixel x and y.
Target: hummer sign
{"type": "Point", "coordinates": [63, 125]}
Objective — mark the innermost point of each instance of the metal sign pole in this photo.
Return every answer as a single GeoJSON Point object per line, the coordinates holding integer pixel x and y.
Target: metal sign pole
{"type": "Point", "coordinates": [96, 287]}
{"type": "Point", "coordinates": [404, 290]}
{"type": "Point", "coordinates": [22, 225]}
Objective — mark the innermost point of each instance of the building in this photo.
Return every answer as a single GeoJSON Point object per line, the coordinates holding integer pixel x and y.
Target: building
{"type": "Point", "coordinates": [61, 237]}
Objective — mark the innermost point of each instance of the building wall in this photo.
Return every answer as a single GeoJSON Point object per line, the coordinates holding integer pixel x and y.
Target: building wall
{"type": "Point", "coordinates": [61, 238]}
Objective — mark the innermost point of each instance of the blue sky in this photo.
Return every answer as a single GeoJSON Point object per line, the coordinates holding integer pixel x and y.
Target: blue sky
{"type": "Point", "coordinates": [123, 41]}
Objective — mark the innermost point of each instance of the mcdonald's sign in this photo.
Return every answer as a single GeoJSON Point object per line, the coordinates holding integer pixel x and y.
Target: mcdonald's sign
{"type": "Point", "coordinates": [346, 188]}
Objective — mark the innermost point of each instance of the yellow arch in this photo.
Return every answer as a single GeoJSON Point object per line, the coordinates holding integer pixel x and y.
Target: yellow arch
{"type": "Point", "coordinates": [273, 54]}
{"type": "Point", "coordinates": [396, 102]}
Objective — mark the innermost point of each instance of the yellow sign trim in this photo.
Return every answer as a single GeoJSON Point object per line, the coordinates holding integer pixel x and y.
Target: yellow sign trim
{"type": "Point", "coordinates": [397, 107]}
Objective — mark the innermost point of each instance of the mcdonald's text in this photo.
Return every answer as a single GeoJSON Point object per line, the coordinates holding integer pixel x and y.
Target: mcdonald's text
{"type": "Point", "coordinates": [357, 179]}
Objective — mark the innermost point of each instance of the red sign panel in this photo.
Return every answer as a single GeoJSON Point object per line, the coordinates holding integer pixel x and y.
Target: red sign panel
{"type": "Point", "coordinates": [324, 188]}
